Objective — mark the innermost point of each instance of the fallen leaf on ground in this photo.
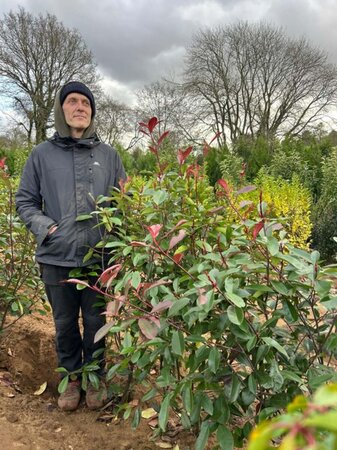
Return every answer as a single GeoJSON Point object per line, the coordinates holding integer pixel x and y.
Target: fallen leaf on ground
{"type": "Point", "coordinates": [41, 389]}
{"type": "Point", "coordinates": [148, 413]}
{"type": "Point", "coordinates": [153, 423]}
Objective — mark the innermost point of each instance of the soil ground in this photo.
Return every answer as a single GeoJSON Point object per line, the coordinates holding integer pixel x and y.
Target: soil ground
{"type": "Point", "coordinates": [34, 422]}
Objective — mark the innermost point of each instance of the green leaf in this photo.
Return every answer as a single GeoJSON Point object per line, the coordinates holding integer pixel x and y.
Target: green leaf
{"type": "Point", "coordinates": [63, 384]}
{"type": "Point", "coordinates": [238, 301]}
{"type": "Point", "coordinates": [149, 395]}
{"type": "Point", "coordinates": [203, 436]}
{"type": "Point", "coordinates": [94, 380]}
{"type": "Point", "coordinates": [177, 306]}
{"type": "Point", "coordinates": [177, 342]}
{"type": "Point", "coordinates": [159, 197]}
{"type": "Point", "coordinates": [297, 263]}
{"type": "Point", "coordinates": [272, 343]}
{"type": "Point", "coordinates": [135, 280]}
{"type": "Point", "coordinates": [187, 397]}
{"type": "Point", "coordinates": [164, 411]}
{"type": "Point", "coordinates": [287, 375]}
{"type": "Point", "coordinates": [225, 438]}
{"type": "Point", "coordinates": [112, 371]}
{"type": "Point", "coordinates": [235, 315]}
{"type": "Point", "coordinates": [207, 404]}
{"type": "Point", "coordinates": [280, 287]}
{"type": "Point", "coordinates": [83, 217]}
{"type": "Point", "coordinates": [136, 418]}
{"type": "Point", "coordinates": [252, 384]}
{"type": "Point", "coordinates": [235, 388]}
{"type": "Point", "coordinates": [273, 245]}
{"type": "Point", "coordinates": [181, 249]}
{"type": "Point", "coordinates": [214, 360]}
{"type": "Point", "coordinates": [88, 255]}
{"type": "Point", "coordinates": [103, 331]}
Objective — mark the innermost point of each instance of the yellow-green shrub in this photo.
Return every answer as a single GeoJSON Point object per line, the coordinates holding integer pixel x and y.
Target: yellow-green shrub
{"type": "Point", "coordinates": [288, 201]}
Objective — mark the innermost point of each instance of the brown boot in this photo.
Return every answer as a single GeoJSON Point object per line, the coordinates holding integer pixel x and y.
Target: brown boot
{"type": "Point", "coordinates": [96, 398]}
{"type": "Point", "coordinates": [70, 398]}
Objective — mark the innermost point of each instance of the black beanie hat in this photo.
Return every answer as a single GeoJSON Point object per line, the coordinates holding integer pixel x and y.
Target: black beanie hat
{"type": "Point", "coordinates": [80, 88]}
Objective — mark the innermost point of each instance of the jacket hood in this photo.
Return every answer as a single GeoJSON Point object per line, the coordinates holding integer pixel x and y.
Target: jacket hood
{"type": "Point", "coordinates": [68, 142]}
{"type": "Point", "coordinates": [61, 125]}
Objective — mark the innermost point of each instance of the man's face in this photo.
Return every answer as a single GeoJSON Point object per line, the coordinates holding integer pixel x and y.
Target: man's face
{"type": "Point", "coordinates": [77, 111]}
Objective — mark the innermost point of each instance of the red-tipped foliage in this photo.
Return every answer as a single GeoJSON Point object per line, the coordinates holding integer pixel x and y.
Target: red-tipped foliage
{"type": "Point", "coordinates": [162, 137]}
{"type": "Point", "coordinates": [176, 239]}
{"type": "Point", "coordinates": [183, 154]}
{"type": "Point", "coordinates": [109, 274]}
{"type": "Point", "coordinates": [154, 230]}
{"type": "Point", "coordinates": [207, 145]}
{"type": "Point", "coordinates": [224, 185]}
{"type": "Point", "coordinates": [148, 127]}
{"type": "Point", "coordinates": [178, 257]}
{"type": "Point", "coordinates": [257, 228]}
{"type": "Point", "coordinates": [3, 163]}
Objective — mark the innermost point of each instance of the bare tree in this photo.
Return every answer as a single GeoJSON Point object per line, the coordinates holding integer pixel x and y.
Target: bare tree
{"type": "Point", "coordinates": [37, 56]}
{"type": "Point", "coordinates": [115, 122]}
{"type": "Point", "coordinates": [167, 100]}
{"type": "Point", "coordinates": [254, 80]}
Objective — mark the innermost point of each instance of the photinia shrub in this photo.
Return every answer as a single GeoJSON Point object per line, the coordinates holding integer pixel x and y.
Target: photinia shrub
{"type": "Point", "coordinates": [215, 320]}
{"type": "Point", "coordinates": [20, 289]}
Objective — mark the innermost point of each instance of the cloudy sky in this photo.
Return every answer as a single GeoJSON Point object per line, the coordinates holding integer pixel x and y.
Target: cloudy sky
{"type": "Point", "coordinates": [136, 42]}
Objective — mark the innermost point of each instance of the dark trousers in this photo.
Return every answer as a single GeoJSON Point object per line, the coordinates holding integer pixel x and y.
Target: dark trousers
{"type": "Point", "coordinates": [73, 348]}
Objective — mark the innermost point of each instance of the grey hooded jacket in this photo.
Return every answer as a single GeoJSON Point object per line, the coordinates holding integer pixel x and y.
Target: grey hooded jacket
{"type": "Point", "coordinates": [61, 178]}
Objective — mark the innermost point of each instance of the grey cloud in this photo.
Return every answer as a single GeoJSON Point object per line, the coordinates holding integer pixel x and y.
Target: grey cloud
{"type": "Point", "coordinates": [138, 41]}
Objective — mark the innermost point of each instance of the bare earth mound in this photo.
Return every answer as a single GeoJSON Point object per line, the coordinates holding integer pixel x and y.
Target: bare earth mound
{"type": "Point", "coordinates": [31, 421]}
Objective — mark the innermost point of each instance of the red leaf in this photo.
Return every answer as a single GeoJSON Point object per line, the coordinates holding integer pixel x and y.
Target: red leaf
{"type": "Point", "coordinates": [76, 281]}
{"type": "Point", "coordinates": [224, 185]}
{"type": "Point", "coordinates": [153, 150]}
{"type": "Point", "coordinates": [148, 328]}
{"type": "Point", "coordinates": [182, 155]}
{"type": "Point", "coordinates": [202, 299]}
{"type": "Point", "coordinates": [176, 239]}
{"type": "Point", "coordinates": [153, 122]}
{"type": "Point", "coordinates": [109, 274]}
{"type": "Point", "coordinates": [3, 163]}
{"type": "Point", "coordinates": [154, 230]}
{"type": "Point", "coordinates": [113, 307]}
{"type": "Point", "coordinates": [147, 286]}
{"type": "Point", "coordinates": [215, 137]}
{"type": "Point", "coordinates": [178, 257]}
{"type": "Point", "coordinates": [257, 228]}
{"type": "Point", "coordinates": [193, 169]}
{"type": "Point", "coordinates": [155, 320]}
{"type": "Point", "coordinates": [162, 137]}
{"type": "Point", "coordinates": [162, 306]}
{"type": "Point", "coordinates": [138, 244]}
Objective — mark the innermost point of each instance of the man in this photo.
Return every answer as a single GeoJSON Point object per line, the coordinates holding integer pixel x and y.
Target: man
{"type": "Point", "coordinates": [61, 178]}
